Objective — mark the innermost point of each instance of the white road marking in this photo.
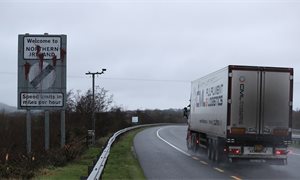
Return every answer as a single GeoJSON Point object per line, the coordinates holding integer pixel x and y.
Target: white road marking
{"type": "Point", "coordinates": [173, 146]}
{"type": "Point", "coordinates": [195, 158]}
{"type": "Point", "coordinates": [203, 162]}
{"type": "Point", "coordinates": [236, 178]}
{"type": "Point", "coordinates": [218, 169]}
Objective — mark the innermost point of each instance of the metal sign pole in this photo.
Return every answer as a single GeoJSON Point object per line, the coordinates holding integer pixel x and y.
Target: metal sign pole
{"type": "Point", "coordinates": [47, 137]}
{"type": "Point", "coordinates": [28, 132]}
{"type": "Point", "coordinates": [62, 128]}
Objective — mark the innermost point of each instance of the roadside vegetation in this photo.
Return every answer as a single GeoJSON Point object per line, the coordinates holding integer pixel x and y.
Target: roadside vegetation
{"type": "Point", "coordinates": [122, 163]}
{"type": "Point", "coordinates": [73, 170]}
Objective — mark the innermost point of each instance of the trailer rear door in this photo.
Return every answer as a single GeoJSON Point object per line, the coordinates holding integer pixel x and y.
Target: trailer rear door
{"type": "Point", "coordinates": [275, 102]}
{"type": "Point", "coordinates": [261, 101]}
{"type": "Point", "coordinates": [245, 96]}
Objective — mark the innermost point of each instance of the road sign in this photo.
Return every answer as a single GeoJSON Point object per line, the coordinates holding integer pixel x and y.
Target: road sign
{"type": "Point", "coordinates": [49, 46]}
{"type": "Point", "coordinates": [135, 119]}
{"type": "Point", "coordinates": [42, 78]}
{"type": "Point", "coordinates": [42, 71]}
{"type": "Point", "coordinates": [41, 99]}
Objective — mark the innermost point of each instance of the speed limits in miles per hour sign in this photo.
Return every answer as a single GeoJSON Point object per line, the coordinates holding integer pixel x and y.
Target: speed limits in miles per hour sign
{"type": "Point", "coordinates": [42, 71]}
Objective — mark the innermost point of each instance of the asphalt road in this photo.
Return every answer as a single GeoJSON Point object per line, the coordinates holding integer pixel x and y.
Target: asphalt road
{"type": "Point", "coordinates": [162, 154]}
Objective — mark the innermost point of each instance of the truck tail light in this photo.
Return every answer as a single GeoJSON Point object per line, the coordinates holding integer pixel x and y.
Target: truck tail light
{"type": "Point", "coordinates": [236, 130]}
{"type": "Point", "coordinates": [235, 150]}
{"type": "Point", "coordinates": [280, 132]}
{"type": "Point", "coordinates": [281, 151]}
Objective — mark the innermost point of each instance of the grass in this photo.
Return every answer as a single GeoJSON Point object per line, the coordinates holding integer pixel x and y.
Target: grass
{"type": "Point", "coordinates": [73, 170]}
{"type": "Point", "coordinates": [121, 163]}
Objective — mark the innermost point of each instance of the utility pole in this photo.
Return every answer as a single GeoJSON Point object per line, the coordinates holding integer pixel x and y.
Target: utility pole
{"type": "Point", "coordinates": [93, 104]}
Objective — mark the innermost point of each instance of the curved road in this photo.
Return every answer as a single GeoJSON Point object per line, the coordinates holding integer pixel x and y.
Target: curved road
{"type": "Point", "coordinates": [162, 154]}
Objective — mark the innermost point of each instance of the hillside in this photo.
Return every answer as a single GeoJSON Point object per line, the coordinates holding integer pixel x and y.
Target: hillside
{"type": "Point", "coordinates": [7, 108]}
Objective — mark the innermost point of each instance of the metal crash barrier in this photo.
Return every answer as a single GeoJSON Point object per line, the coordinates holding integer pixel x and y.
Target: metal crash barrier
{"type": "Point", "coordinates": [99, 166]}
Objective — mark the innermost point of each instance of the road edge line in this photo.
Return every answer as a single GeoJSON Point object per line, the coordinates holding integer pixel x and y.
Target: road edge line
{"type": "Point", "coordinates": [173, 146]}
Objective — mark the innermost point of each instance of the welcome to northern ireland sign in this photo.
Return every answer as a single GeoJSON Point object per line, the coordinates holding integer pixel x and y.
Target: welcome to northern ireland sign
{"type": "Point", "coordinates": [50, 45]}
{"type": "Point", "coordinates": [42, 71]}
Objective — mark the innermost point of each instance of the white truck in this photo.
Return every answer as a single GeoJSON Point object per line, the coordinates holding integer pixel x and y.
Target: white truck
{"type": "Point", "coordinates": [242, 113]}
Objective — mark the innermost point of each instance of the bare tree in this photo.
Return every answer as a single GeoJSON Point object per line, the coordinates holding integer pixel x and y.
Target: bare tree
{"type": "Point", "coordinates": [71, 101]}
{"type": "Point", "coordinates": [103, 101]}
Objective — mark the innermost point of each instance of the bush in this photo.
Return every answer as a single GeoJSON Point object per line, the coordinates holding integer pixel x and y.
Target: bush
{"type": "Point", "coordinates": [25, 166]}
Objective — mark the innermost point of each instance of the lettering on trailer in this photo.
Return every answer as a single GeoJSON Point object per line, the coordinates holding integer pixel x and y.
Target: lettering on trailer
{"type": "Point", "coordinates": [200, 102]}
{"type": "Point", "coordinates": [213, 96]}
{"type": "Point", "coordinates": [215, 122]}
{"type": "Point", "coordinates": [49, 47]}
{"type": "Point", "coordinates": [241, 99]}
{"type": "Point", "coordinates": [203, 121]}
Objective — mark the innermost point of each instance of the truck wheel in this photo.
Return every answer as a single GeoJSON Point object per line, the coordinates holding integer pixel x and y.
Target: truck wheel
{"type": "Point", "coordinates": [217, 151]}
{"type": "Point", "coordinates": [213, 150]}
{"type": "Point", "coordinates": [209, 149]}
{"type": "Point", "coordinates": [189, 142]}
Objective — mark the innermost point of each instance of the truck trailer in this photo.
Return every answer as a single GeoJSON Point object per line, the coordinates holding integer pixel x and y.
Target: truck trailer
{"type": "Point", "coordinates": [242, 113]}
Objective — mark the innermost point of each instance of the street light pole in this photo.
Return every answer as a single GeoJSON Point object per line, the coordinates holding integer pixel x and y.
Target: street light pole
{"type": "Point", "coordinates": [93, 103]}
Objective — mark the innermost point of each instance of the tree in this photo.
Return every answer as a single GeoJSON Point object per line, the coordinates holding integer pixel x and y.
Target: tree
{"type": "Point", "coordinates": [84, 103]}
{"type": "Point", "coordinates": [71, 102]}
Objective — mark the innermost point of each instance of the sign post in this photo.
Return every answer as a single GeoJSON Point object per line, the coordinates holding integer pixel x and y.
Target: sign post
{"type": "Point", "coordinates": [28, 131]}
{"type": "Point", "coordinates": [42, 76]}
{"type": "Point", "coordinates": [62, 128]}
{"type": "Point", "coordinates": [47, 131]}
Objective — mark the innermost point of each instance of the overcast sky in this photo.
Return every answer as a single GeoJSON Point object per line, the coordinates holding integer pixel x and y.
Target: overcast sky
{"type": "Point", "coordinates": [152, 50]}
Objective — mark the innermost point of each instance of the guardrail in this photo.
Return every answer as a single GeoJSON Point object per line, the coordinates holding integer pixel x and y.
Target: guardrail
{"type": "Point", "coordinates": [296, 131]}
{"type": "Point", "coordinates": [99, 166]}
{"type": "Point", "coordinates": [295, 136]}
{"type": "Point", "coordinates": [295, 139]}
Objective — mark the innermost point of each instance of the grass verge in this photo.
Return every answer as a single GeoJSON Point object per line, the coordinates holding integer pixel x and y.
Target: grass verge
{"type": "Point", "coordinates": [121, 163]}
{"type": "Point", "coordinates": [74, 169]}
